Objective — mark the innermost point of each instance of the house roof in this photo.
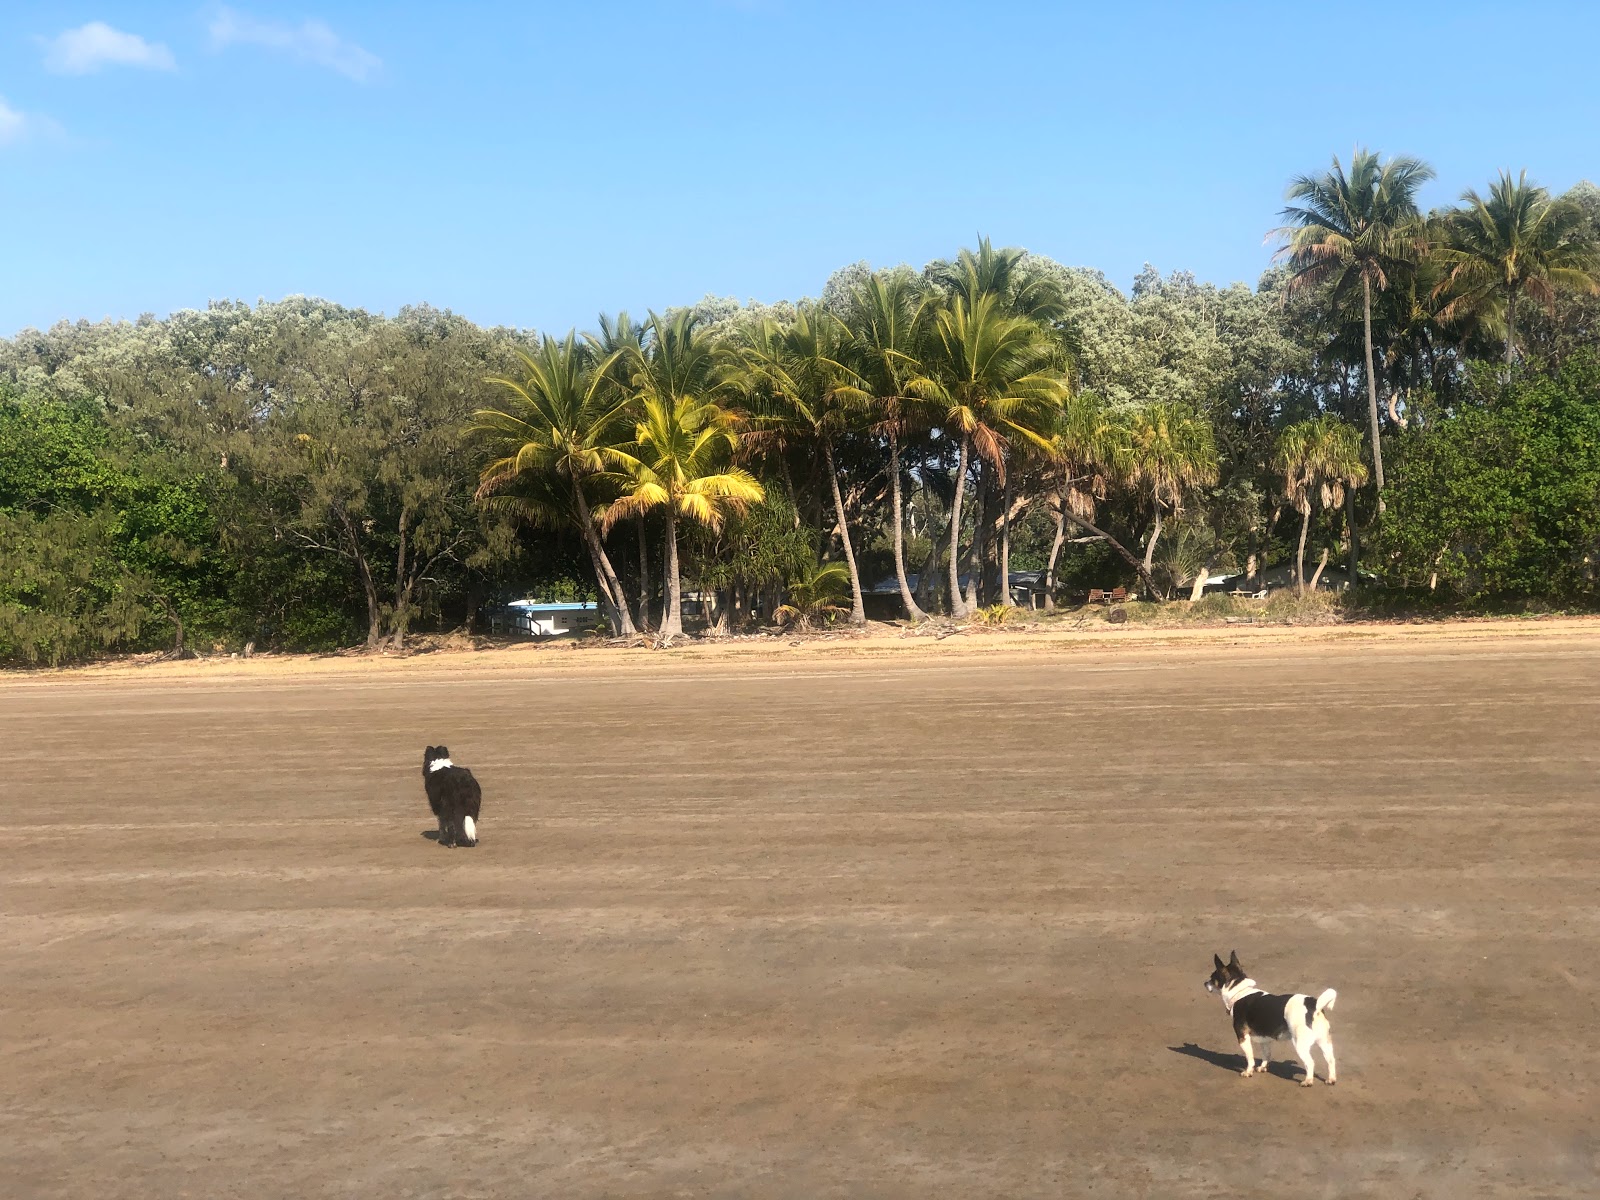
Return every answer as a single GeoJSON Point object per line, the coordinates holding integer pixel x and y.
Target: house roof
{"type": "Point", "coordinates": [557, 606]}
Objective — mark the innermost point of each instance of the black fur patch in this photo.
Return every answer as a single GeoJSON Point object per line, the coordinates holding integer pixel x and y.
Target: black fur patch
{"type": "Point", "coordinates": [453, 795]}
{"type": "Point", "coordinates": [1263, 1015]}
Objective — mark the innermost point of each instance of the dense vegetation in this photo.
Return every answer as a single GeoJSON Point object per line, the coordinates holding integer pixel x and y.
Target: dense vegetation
{"type": "Point", "coordinates": [1419, 394]}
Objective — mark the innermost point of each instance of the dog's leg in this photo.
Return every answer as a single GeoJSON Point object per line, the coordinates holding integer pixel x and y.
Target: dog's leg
{"type": "Point", "coordinates": [1304, 1039]}
{"type": "Point", "coordinates": [1325, 1043]}
{"type": "Point", "coordinates": [1249, 1057]}
{"type": "Point", "coordinates": [1266, 1058]}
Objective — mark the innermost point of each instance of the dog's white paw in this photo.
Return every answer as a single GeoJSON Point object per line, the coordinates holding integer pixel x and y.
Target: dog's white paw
{"type": "Point", "coordinates": [1308, 1081]}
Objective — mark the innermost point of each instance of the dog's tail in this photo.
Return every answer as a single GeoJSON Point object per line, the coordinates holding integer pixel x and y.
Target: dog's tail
{"type": "Point", "coordinates": [470, 828]}
{"type": "Point", "coordinates": [1323, 1001]}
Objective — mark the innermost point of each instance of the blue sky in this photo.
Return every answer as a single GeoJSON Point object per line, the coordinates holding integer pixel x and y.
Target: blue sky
{"type": "Point", "coordinates": [533, 163]}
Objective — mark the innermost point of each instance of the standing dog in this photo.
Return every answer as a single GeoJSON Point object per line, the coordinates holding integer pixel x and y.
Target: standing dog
{"type": "Point", "coordinates": [454, 796]}
{"type": "Point", "coordinates": [1297, 1018]}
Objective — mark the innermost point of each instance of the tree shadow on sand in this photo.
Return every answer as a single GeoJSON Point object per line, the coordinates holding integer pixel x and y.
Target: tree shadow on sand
{"type": "Point", "coordinates": [1235, 1062]}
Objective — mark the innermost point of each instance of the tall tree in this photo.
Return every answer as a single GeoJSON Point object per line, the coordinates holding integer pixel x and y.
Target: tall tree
{"type": "Point", "coordinates": [1355, 232]}
{"type": "Point", "coordinates": [1319, 459]}
{"type": "Point", "coordinates": [680, 458]}
{"type": "Point", "coordinates": [561, 421]}
{"type": "Point", "coordinates": [882, 311]}
{"type": "Point", "coordinates": [796, 382]}
{"type": "Point", "coordinates": [996, 377]}
{"type": "Point", "coordinates": [1170, 450]}
{"type": "Point", "coordinates": [1518, 242]}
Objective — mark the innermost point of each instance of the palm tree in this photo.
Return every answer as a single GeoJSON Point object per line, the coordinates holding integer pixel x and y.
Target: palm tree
{"type": "Point", "coordinates": [1357, 231]}
{"type": "Point", "coordinates": [1003, 274]}
{"type": "Point", "coordinates": [996, 378]}
{"type": "Point", "coordinates": [616, 336]}
{"type": "Point", "coordinates": [563, 424]}
{"type": "Point", "coordinates": [796, 383]}
{"type": "Point", "coordinates": [1170, 450]}
{"type": "Point", "coordinates": [1319, 459]}
{"type": "Point", "coordinates": [683, 443]}
{"type": "Point", "coordinates": [884, 317]}
{"type": "Point", "coordinates": [814, 596]}
{"type": "Point", "coordinates": [1519, 242]}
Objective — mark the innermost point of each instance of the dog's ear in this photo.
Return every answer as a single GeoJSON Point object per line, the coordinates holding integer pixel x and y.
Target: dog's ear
{"type": "Point", "coordinates": [1233, 958]}
{"type": "Point", "coordinates": [1217, 958]}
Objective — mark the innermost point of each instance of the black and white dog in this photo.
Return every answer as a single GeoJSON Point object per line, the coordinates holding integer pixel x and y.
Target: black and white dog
{"type": "Point", "coordinates": [454, 796]}
{"type": "Point", "coordinates": [1298, 1019]}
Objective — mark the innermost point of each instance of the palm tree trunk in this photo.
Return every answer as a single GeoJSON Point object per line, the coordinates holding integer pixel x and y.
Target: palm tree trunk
{"type": "Point", "coordinates": [978, 569]}
{"type": "Point", "coordinates": [1372, 387]}
{"type": "Point", "coordinates": [788, 482]}
{"type": "Point", "coordinates": [1005, 537]}
{"type": "Point", "coordinates": [958, 604]}
{"type": "Point", "coordinates": [644, 576]}
{"type": "Point", "coordinates": [1300, 556]}
{"type": "Point", "coordinates": [858, 609]}
{"type": "Point", "coordinates": [1511, 326]}
{"type": "Point", "coordinates": [913, 613]}
{"type": "Point", "coordinates": [610, 586]}
{"type": "Point", "coordinates": [672, 618]}
{"type": "Point", "coordinates": [1055, 553]}
{"type": "Point", "coordinates": [1355, 536]}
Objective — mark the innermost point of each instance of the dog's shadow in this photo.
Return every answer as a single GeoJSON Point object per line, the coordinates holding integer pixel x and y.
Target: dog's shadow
{"type": "Point", "coordinates": [1234, 1062]}
{"type": "Point", "coordinates": [433, 836]}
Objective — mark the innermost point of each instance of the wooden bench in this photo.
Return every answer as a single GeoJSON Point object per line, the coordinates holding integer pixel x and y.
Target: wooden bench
{"type": "Point", "coordinates": [1101, 596]}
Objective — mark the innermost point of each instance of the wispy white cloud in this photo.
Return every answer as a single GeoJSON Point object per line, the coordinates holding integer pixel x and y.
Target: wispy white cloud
{"type": "Point", "coordinates": [86, 49]}
{"type": "Point", "coordinates": [13, 125]}
{"type": "Point", "coordinates": [311, 41]}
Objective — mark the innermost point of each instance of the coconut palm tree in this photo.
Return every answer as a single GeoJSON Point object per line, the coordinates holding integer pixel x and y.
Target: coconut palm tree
{"type": "Point", "coordinates": [1518, 242]}
{"type": "Point", "coordinates": [1170, 450]}
{"type": "Point", "coordinates": [997, 379]}
{"type": "Point", "coordinates": [796, 383]}
{"type": "Point", "coordinates": [1319, 459]}
{"type": "Point", "coordinates": [679, 459]}
{"type": "Point", "coordinates": [814, 597]}
{"type": "Point", "coordinates": [1003, 274]}
{"type": "Point", "coordinates": [883, 314]}
{"type": "Point", "coordinates": [1355, 232]}
{"type": "Point", "coordinates": [562, 423]}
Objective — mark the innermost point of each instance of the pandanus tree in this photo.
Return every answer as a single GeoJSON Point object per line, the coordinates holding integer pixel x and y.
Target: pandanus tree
{"type": "Point", "coordinates": [796, 385]}
{"type": "Point", "coordinates": [554, 440]}
{"type": "Point", "coordinates": [1088, 445]}
{"type": "Point", "coordinates": [680, 457]}
{"type": "Point", "coordinates": [1169, 450]}
{"type": "Point", "coordinates": [1356, 232]}
{"type": "Point", "coordinates": [1518, 242]}
{"type": "Point", "coordinates": [1319, 459]}
{"type": "Point", "coordinates": [996, 379]}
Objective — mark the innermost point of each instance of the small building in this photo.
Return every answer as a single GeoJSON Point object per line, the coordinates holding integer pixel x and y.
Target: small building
{"type": "Point", "coordinates": [556, 619]}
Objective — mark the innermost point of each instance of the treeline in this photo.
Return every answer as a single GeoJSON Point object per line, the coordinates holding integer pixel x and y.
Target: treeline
{"type": "Point", "coordinates": [1416, 395]}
